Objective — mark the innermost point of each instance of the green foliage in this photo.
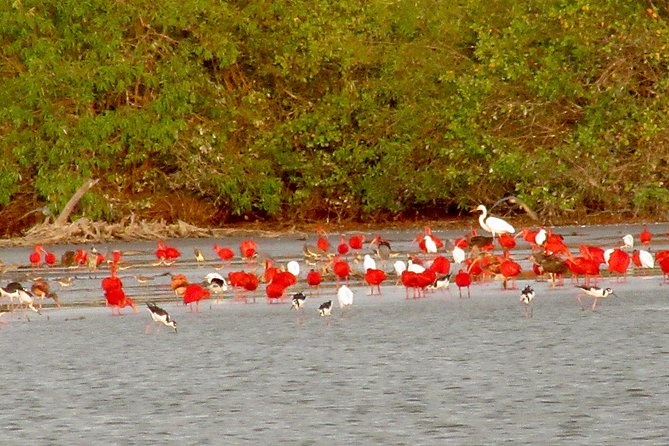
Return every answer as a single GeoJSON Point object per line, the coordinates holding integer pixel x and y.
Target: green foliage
{"type": "Point", "coordinates": [336, 109]}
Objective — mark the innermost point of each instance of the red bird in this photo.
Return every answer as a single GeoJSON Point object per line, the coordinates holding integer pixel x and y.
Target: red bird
{"type": "Point", "coordinates": [410, 280]}
{"type": "Point", "coordinates": [114, 294]}
{"type": "Point", "coordinates": [342, 248]}
{"type": "Point", "coordinates": [593, 252]}
{"type": "Point", "coordinates": [463, 280]}
{"type": "Point", "coordinates": [194, 293]}
{"type": "Point", "coordinates": [81, 256]}
{"type": "Point", "coordinates": [341, 269]}
{"type": "Point", "coordinates": [507, 241]}
{"type": "Point", "coordinates": [619, 261]}
{"type": "Point", "coordinates": [314, 279]}
{"type": "Point", "coordinates": [248, 249]}
{"type": "Point", "coordinates": [275, 291]}
{"type": "Point", "coordinates": [223, 253]}
{"type": "Point", "coordinates": [374, 278]}
{"type": "Point", "coordinates": [510, 270]}
{"type": "Point", "coordinates": [322, 242]}
{"type": "Point", "coordinates": [166, 254]}
{"type": "Point", "coordinates": [49, 258]}
{"type": "Point", "coordinates": [356, 241]}
{"type": "Point", "coordinates": [645, 236]}
{"type": "Point", "coordinates": [36, 257]}
{"type": "Point", "coordinates": [440, 265]}
{"type": "Point", "coordinates": [664, 266]}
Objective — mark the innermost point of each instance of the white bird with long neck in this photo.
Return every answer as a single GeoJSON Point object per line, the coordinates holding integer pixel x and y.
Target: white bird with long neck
{"type": "Point", "coordinates": [492, 224]}
{"type": "Point", "coordinates": [344, 296]}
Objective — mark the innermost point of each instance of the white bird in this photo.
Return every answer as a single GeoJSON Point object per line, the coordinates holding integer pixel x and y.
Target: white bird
{"type": "Point", "coordinates": [415, 267]}
{"type": "Point", "coordinates": [344, 296]}
{"type": "Point", "coordinates": [526, 297]}
{"type": "Point", "coordinates": [643, 259]}
{"type": "Point", "coordinates": [596, 292]}
{"type": "Point", "coordinates": [430, 245]}
{"type": "Point", "coordinates": [216, 284]}
{"type": "Point", "coordinates": [607, 255]}
{"type": "Point", "coordinates": [161, 316]}
{"type": "Point", "coordinates": [16, 290]}
{"type": "Point", "coordinates": [368, 262]}
{"type": "Point", "coordinates": [325, 308]}
{"type": "Point", "coordinates": [399, 266]}
{"type": "Point", "coordinates": [628, 241]}
{"type": "Point", "coordinates": [298, 300]}
{"type": "Point", "coordinates": [540, 238]}
{"type": "Point", "coordinates": [492, 224]}
{"type": "Point", "coordinates": [458, 254]}
{"type": "Point", "coordinates": [293, 267]}
{"type": "Point", "coordinates": [440, 282]}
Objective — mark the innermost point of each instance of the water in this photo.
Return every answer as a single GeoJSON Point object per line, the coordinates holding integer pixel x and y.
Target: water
{"type": "Point", "coordinates": [439, 370]}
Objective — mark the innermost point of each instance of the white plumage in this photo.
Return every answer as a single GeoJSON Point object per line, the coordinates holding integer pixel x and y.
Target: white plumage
{"type": "Point", "coordinates": [493, 225]}
{"type": "Point", "coordinates": [293, 267]}
{"type": "Point", "coordinates": [628, 241]}
{"type": "Point", "coordinates": [344, 296]}
{"type": "Point", "coordinates": [458, 254]}
{"type": "Point", "coordinates": [430, 245]}
{"type": "Point", "coordinates": [368, 262]}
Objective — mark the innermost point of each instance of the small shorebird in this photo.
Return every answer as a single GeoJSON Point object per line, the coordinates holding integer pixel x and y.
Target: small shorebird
{"type": "Point", "coordinates": [440, 282]}
{"type": "Point", "coordinates": [298, 300]}
{"type": "Point", "coordinates": [325, 309]}
{"type": "Point", "coordinates": [526, 297]}
{"type": "Point", "coordinates": [199, 257]}
{"type": "Point", "coordinates": [596, 292]}
{"type": "Point", "coordinates": [161, 316]}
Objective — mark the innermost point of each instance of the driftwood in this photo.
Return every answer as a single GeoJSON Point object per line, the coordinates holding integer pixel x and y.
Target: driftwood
{"type": "Point", "coordinates": [73, 202]}
{"type": "Point", "coordinates": [85, 231]}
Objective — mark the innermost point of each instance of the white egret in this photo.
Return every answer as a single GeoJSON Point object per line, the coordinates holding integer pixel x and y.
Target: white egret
{"type": "Point", "coordinates": [492, 224]}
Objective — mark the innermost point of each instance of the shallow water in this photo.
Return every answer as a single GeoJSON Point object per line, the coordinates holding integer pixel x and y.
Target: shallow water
{"type": "Point", "coordinates": [439, 370]}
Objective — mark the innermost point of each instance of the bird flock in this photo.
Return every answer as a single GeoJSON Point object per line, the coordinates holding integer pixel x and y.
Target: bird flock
{"type": "Point", "coordinates": [429, 265]}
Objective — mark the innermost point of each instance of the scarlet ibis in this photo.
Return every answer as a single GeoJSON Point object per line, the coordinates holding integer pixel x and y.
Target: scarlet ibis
{"type": "Point", "coordinates": [275, 291]}
{"type": "Point", "coordinates": [463, 280]}
{"type": "Point", "coordinates": [374, 278]}
{"type": "Point", "coordinates": [593, 252]}
{"type": "Point", "coordinates": [424, 280]}
{"type": "Point", "coordinates": [314, 279]}
{"type": "Point", "coordinates": [440, 265]}
{"type": "Point", "coordinates": [223, 252]}
{"type": "Point", "coordinates": [619, 262]}
{"type": "Point", "coordinates": [342, 247]}
{"type": "Point", "coordinates": [81, 256]}
{"type": "Point", "coordinates": [595, 292]}
{"type": "Point", "coordinates": [583, 266]}
{"type": "Point", "coordinates": [322, 242]}
{"type": "Point", "coordinates": [166, 254]}
{"type": "Point", "coordinates": [161, 316]}
{"type": "Point", "coordinates": [193, 294]}
{"type": "Point", "coordinates": [36, 257]}
{"type": "Point", "coordinates": [298, 301]}
{"type": "Point", "coordinates": [410, 280]}
{"type": "Point", "coordinates": [507, 241]}
{"type": "Point", "coordinates": [42, 291]}
{"type": "Point", "coordinates": [526, 297]}
{"type": "Point", "coordinates": [356, 241]}
{"type": "Point", "coordinates": [664, 266]}
{"type": "Point", "coordinates": [341, 269]}
{"type": "Point", "coordinates": [645, 236]}
{"type": "Point", "coordinates": [344, 296]}
{"type": "Point", "coordinates": [509, 270]}
{"type": "Point", "coordinates": [49, 257]}
{"type": "Point", "coordinates": [325, 309]}
{"type": "Point", "coordinates": [491, 224]}
{"type": "Point", "coordinates": [248, 249]}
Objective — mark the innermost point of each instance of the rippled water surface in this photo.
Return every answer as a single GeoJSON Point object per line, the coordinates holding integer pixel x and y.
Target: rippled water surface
{"type": "Point", "coordinates": [439, 370]}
